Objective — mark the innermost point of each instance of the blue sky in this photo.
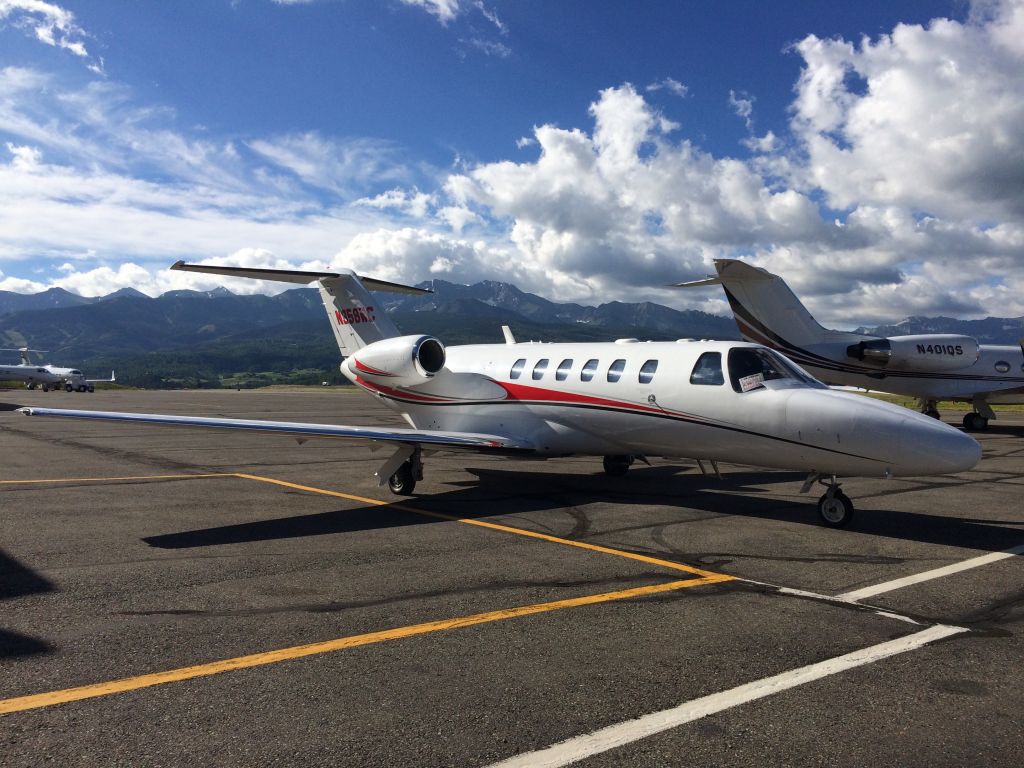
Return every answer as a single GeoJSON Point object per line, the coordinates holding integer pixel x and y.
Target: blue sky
{"type": "Point", "coordinates": [867, 151]}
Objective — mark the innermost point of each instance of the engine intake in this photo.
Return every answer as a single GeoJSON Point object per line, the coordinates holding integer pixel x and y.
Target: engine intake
{"type": "Point", "coordinates": [403, 361]}
{"type": "Point", "coordinates": [938, 352]}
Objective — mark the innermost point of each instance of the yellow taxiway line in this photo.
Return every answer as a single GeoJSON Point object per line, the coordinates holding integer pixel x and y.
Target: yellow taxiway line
{"type": "Point", "coordinates": [39, 700]}
{"type": "Point", "coordinates": [498, 527]}
{"type": "Point", "coordinates": [115, 479]}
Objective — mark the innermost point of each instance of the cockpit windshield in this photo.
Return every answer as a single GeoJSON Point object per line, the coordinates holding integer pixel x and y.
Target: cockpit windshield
{"type": "Point", "coordinates": [750, 368]}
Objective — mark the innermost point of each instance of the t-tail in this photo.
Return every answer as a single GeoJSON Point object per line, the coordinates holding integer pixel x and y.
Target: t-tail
{"type": "Point", "coordinates": [355, 317]}
{"type": "Point", "coordinates": [766, 310]}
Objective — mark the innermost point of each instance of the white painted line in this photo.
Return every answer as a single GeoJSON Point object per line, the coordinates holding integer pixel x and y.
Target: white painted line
{"type": "Point", "coordinates": [937, 573]}
{"type": "Point", "coordinates": [613, 736]}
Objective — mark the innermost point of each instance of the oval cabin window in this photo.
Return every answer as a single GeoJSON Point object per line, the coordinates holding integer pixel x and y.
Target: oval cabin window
{"type": "Point", "coordinates": [1003, 367]}
{"type": "Point", "coordinates": [615, 370]}
{"type": "Point", "coordinates": [647, 371]}
{"type": "Point", "coordinates": [563, 370]}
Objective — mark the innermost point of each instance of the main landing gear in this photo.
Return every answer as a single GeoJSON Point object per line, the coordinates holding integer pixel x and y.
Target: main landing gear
{"type": "Point", "coordinates": [975, 422]}
{"type": "Point", "coordinates": [834, 508]}
{"type": "Point", "coordinates": [402, 470]}
{"type": "Point", "coordinates": [403, 481]}
{"type": "Point", "coordinates": [617, 466]}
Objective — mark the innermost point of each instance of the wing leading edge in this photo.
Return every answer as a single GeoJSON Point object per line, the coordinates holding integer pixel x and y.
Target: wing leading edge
{"type": "Point", "coordinates": [453, 440]}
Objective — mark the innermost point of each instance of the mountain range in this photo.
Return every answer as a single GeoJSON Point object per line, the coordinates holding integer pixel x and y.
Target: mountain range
{"type": "Point", "coordinates": [208, 337]}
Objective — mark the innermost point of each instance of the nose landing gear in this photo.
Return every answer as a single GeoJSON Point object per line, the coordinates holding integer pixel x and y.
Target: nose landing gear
{"type": "Point", "coordinates": [834, 508]}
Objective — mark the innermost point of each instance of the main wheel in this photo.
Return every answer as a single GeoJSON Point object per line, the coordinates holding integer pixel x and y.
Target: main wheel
{"type": "Point", "coordinates": [403, 481]}
{"type": "Point", "coordinates": [835, 510]}
{"type": "Point", "coordinates": [91, 388]}
{"type": "Point", "coordinates": [617, 466]}
{"type": "Point", "coordinates": [975, 422]}
{"type": "Point", "coordinates": [30, 385]}
{"type": "Point", "coordinates": [68, 388]}
{"type": "Point", "coordinates": [933, 413]}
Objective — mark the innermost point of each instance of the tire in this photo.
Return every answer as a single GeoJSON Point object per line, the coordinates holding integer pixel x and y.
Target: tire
{"type": "Point", "coordinates": [975, 422]}
{"type": "Point", "coordinates": [617, 466]}
{"type": "Point", "coordinates": [91, 388]}
{"type": "Point", "coordinates": [402, 483]}
{"type": "Point", "coordinates": [837, 511]}
{"type": "Point", "coordinates": [68, 388]}
{"type": "Point", "coordinates": [933, 413]}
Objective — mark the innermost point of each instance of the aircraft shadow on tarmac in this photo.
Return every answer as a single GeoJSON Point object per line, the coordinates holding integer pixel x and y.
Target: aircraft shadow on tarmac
{"type": "Point", "coordinates": [17, 580]}
{"type": "Point", "coordinates": [510, 492]}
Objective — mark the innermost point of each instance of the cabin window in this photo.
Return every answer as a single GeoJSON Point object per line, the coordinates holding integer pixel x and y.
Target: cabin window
{"type": "Point", "coordinates": [708, 369]}
{"type": "Point", "coordinates": [647, 371]}
{"type": "Point", "coordinates": [517, 368]}
{"type": "Point", "coordinates": [563, 370]}
{"type": "Point", "coordinates": [539, 368]}
{"type": "Point", "coordinates": [615, 370]}
{"type": "Point", "coordinates": [750, 367]}
{"type": "Point", "coordinates": [588, 371]}
{"type": "Point", "coordinates": [1003, 367]}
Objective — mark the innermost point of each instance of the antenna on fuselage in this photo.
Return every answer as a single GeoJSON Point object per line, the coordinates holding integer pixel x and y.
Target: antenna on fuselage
{"type": "Point", "coordinates": [507, 333]}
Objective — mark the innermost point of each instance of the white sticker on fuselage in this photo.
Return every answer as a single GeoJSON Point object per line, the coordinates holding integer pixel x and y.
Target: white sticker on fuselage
{"type": "Point", "coordinates": [753, 381]}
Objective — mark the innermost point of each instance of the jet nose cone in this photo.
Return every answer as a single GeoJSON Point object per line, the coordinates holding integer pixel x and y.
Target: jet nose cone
{"type": "Point", "coordinates": [929, 447]}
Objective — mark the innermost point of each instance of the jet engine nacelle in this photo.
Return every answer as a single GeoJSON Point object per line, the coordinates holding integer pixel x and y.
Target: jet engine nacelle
{"type": "Point", "coordinates": [403, 361]}
{"type": "Point", "coordinates": [937, 352]}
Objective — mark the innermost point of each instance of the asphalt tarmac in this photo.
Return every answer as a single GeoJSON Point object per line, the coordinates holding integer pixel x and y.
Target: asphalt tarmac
{"type": "Point", "coordinates": [172, 596]}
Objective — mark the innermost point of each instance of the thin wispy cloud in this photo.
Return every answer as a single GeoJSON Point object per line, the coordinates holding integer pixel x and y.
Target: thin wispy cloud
{"type": "Point", "coordinates": [669, 84]}
{"type": "Point", "coordinates": [50, 24]}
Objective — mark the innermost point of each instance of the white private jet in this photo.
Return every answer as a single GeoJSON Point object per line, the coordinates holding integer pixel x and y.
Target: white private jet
{"type": "Point", "coordinates": [717, 401]}
{"type": "Point", "coordinates": [929, 367]}
{"type": "Point", "coordinates": [47, 377]}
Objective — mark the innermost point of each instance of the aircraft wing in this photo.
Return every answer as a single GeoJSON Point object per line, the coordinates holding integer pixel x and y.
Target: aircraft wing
{"type": "Point", "coordinates": [102, 381]}
{"type": "Point", "coordinates": [435, 439]}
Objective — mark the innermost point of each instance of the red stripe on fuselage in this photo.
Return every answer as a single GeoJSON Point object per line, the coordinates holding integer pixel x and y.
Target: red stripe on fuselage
{"type": "Point", "coordinates": [400, 394]}
{"type": "Point", "coordinates": [527, 394]}
{"type": "Point", "coordinates": [367, 369]}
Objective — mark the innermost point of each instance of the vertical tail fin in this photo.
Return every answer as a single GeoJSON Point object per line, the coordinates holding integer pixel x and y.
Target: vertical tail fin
{"type": "Point", "coordinates": [766, 309]}
{"type": "Point", "coordinates": [351, 310]}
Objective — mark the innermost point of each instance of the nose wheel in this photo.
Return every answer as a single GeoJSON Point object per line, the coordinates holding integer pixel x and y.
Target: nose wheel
{"type": "Point", "coordinates": [835, 508]}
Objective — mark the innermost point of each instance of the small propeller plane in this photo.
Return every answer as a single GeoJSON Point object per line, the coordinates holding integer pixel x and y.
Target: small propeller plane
{"type": "Point", "coordinates": [930, 367]}
{"type": "Point", "coordinates": [624, 400]}
{"type": "Point", "coordinates": [46, 376]}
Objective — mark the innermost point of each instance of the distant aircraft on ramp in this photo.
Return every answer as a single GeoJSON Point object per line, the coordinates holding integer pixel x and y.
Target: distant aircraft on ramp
{"type": "Point", "coordinates": [929, 367]}
{"type": "Point", "coordinates": [47, 377]}
{"type": "Point", "coordinates": [623, 400]}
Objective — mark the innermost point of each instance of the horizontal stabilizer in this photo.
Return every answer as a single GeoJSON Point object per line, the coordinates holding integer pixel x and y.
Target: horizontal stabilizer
{"type": "Point", "coordinates": [295, 276]}
{"type": "Point", "coordinates": [698, 283]}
